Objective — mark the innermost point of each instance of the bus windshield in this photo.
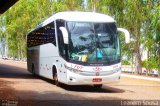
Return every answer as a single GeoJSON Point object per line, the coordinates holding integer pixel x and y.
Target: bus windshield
{"type": "Point", "coordinates": [93, 43]}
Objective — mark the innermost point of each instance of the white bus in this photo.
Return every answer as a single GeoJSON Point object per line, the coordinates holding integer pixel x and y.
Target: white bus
{"type": "Point", "coordinates": [76, 48]}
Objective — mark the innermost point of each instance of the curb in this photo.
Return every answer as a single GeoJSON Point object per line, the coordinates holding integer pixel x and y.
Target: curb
{"type": "Point", "coordinates": [141, 77]}
{"type": "Point", "coordinates": [14, 61]}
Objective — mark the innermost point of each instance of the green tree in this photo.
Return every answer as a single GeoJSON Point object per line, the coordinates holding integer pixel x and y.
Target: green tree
{"type": "Point", "coordinates": [140, 17]}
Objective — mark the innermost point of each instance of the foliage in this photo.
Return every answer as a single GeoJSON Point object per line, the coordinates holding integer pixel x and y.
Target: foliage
{"type": "Point", "coordinates": [140, 17]}
{"type": "Point", "coordinates": [150, 64]}
{"type": "Point", "coordinates": [125, 62]}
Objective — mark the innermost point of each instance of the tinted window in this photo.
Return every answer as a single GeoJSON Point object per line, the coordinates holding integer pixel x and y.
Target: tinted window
{"type": "Point", "coordinates": [60, 23]}
{"type": "Point", "coordinates": [42, 36]}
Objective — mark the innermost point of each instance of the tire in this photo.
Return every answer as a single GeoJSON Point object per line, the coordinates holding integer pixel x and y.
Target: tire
{"type": "Point", "coordinates": [55, 77]}
{"type": "Point", "coordinates": [98, 86]}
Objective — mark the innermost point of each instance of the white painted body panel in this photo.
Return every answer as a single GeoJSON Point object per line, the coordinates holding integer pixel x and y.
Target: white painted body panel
{"type": "Point", "coordinates": [108, 74]}
{"type": "Point", "coordinates": [80, 17]}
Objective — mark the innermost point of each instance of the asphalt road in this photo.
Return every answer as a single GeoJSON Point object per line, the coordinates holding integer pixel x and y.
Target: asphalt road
{"type": "Point", "coordinates": [19, 87]}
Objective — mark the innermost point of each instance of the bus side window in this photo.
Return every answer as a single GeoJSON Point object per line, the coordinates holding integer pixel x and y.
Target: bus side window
{"type": "Point", "coordinates": [61, 44]}
{"type": "Point", "coordinates": [49, 34]}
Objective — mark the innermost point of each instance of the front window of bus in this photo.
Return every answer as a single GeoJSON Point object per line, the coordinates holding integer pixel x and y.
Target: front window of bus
{"type": "Point", "coordinates": [93, 43]}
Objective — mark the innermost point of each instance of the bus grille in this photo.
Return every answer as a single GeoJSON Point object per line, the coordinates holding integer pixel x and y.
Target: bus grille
{"type": "Point", "coordinates": [102, 73]}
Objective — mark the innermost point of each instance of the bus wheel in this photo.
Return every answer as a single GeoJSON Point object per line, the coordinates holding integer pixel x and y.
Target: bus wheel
{"type": "Point", "coordinates": [98, 86]}
{"type": "Point", "coordinates": [55, 77]}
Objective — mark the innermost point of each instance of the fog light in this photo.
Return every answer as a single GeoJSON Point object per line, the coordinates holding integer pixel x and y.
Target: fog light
{"type": "Point", "coordinates": [72, 79]}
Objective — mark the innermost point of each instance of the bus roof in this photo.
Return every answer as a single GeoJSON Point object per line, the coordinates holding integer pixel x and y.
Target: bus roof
{"type": "Point", "coordinates": [76, 16]}
{"type": "Point", "coordinates": [79, 16]}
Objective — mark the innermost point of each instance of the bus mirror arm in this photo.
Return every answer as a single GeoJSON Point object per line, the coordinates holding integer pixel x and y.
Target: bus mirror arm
{"type": "Point", "coordinates": [127, 35]}
{"type": "Point", "coordinates": [65, 34]}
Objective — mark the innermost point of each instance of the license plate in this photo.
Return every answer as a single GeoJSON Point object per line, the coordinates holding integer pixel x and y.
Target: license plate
{"type": "Point", "coordinates": [97, 80]}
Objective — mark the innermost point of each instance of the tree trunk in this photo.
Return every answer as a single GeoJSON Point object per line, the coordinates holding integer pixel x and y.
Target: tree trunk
{"type": "Point", "coordinates": [158, 63]}
{"type": "Point", "coordinates": [147, 69]}
{"type": "Point", "coordinates": [138, 62]}
{"type": "Point", "coordinates": [138, 66]}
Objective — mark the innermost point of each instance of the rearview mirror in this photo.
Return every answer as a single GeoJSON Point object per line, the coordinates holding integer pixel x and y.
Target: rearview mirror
{"type": "Point", "coordinates": [127, 35]}
{"type": "Point", "coordinates": [65, 34]}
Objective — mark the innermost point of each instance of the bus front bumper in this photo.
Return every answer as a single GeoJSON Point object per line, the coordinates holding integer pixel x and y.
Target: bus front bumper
{"type": "Point", "coordinates": [77, 79]}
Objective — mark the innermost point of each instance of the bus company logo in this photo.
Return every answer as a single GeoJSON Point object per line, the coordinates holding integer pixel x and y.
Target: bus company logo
{"type": "Point", "coordinates": [115, 66]}
{"type": "Point", "coordinates": [78, 67]}
{"type": "Point", "coordinates": [97, 73]}
{"type": "Point", "coordinates": [97, 69]}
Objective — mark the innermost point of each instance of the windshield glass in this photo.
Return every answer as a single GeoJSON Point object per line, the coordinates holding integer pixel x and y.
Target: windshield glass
{"type": "Point", "coordinates": [93, 43]}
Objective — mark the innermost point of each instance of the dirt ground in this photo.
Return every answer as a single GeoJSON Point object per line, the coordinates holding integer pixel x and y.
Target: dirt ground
{"type": "Point", "coordinates": [19, 87]}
